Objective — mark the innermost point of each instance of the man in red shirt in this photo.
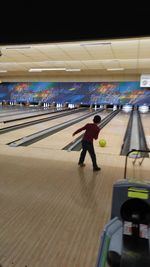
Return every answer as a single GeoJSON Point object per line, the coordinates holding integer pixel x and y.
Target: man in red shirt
{"type": "Point", "coordinates": [91, 132]}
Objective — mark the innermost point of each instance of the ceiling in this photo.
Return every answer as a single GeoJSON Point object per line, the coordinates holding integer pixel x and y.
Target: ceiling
{"type": "Point", "coordinates": [84, 58]}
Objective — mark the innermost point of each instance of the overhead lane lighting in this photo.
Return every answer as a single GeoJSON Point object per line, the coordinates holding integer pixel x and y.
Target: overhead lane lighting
{"type": "Point", "coordinates": [44, 69]}
{"type": "Point", "coordinates": [97, 43]}
{"type": "Point", "coordinates": [17, 47]}
{"type": "Point", "coordinates": [35, 70]}
{"type": "Point", "coordinates": [73, 69]}
{"type": "Point", "coordinates": [115, 69]}
{"type": "Point", "coordinates": [51, 69]}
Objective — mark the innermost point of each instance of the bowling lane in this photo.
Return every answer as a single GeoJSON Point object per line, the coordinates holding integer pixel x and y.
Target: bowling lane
{"type": "Point", "coordinates": [9, 110]}
{"type": "Point", "coordinates": [113, 133]}
{"type": "Point", "coordinates": [146, 126]}
{"type": "Point", "coordinates": [13, 123]}
{"type": "Point", "coordinates": [62, 138]}
{"type": "Point", "coordinates": [17, 134]}
{"type": "Point", "coordinates": [22, 114]}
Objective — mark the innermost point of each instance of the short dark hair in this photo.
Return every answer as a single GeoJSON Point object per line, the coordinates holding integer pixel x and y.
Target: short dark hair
{"type": "Point", "coordinates": [97, 119]}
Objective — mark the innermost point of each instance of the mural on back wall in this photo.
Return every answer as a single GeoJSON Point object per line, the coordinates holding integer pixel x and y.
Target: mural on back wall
{"type": "Point", "coordinates": [76, 92]}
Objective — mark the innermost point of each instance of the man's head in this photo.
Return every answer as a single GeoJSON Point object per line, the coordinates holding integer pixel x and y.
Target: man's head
{"type": "Point", "coordinates": [97, 119]}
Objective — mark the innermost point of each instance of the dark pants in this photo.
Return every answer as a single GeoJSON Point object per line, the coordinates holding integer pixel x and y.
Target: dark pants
{"type": "Point", "coordinates": [88, 146]}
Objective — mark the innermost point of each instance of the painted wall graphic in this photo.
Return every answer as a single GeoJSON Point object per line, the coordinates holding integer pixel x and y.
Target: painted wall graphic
{"type": "Point", "coordinates": [76, 92]}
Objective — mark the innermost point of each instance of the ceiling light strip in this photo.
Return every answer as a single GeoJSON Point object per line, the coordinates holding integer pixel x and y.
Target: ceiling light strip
{"type": "Point", "coordinates": [51, 69]}
{"type": "Point", "coordinates": [44, 69]}
{"type": "Point", "coordinates": [18, 47]}
{"type": "Point", "coordinates": [115, 69]}
{"type": "Point", "coordinates": [99, 43]}
{"type": "Point", "coordinates": [73, 69]}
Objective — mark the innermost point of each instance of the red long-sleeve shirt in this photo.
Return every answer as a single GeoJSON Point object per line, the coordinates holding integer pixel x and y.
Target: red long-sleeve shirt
{"type": "Point", "coordinates": [91, 132]}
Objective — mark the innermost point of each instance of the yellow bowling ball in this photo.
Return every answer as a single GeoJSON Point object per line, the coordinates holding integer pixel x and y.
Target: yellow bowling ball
{"type": "Point", "coordinates": [102, 142]}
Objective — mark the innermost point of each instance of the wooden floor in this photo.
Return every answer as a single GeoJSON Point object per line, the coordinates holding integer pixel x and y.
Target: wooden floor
{"type": "Point", "coordinates": [53, 212]}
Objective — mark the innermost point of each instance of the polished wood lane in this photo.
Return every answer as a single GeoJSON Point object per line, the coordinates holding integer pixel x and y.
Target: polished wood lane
{"type": "Point", "coordinates": [19, 133]}
{"type": "Point", "coordinates": [63, 137]}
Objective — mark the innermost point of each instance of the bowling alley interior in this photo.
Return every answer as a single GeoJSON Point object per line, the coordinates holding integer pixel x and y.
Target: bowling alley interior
{"type": "Point", "coordinates": [54, 212]}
